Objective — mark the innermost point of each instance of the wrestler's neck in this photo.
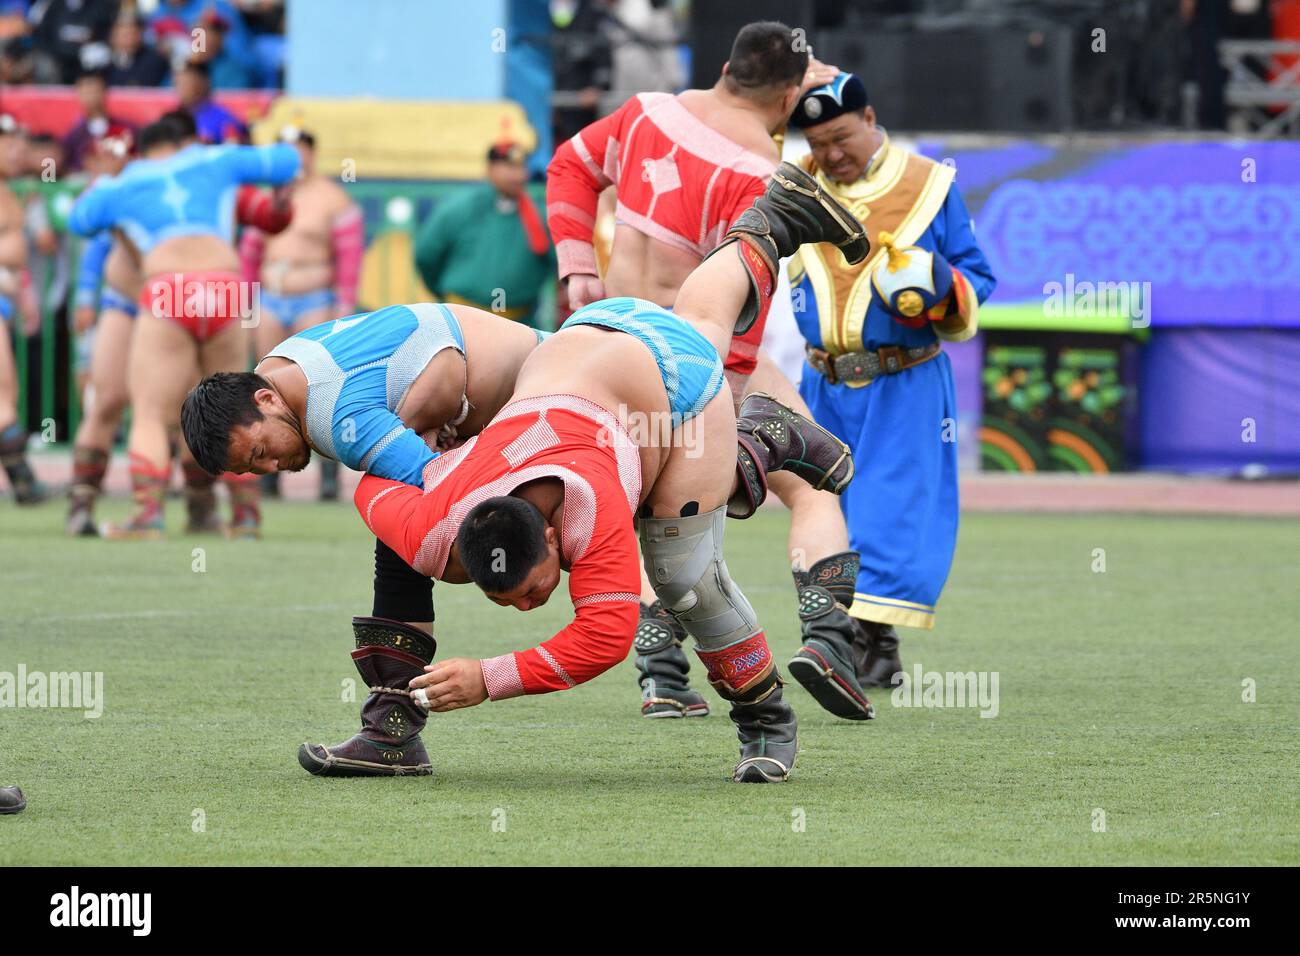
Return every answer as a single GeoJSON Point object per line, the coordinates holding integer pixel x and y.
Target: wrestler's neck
{"type": "Point", "coordinates": [770, 113]}
{"type": "Point", "coordinates": [288, 381]}
{"type": "Point", "coordinates": [547, 496]}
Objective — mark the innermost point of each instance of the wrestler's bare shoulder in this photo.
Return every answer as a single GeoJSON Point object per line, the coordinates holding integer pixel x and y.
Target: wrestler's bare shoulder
{"type": "Point", "coordinates": [740, 126]}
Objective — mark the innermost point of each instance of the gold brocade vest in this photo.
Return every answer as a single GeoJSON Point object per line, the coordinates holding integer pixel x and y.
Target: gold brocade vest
{"type": "Point", "coordinates": [901, 193]}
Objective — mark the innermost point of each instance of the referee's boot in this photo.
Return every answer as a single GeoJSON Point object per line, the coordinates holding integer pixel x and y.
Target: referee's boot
{"type": "Point", "coordinates": [388, 655]}
{"type": "Point", "coordinates": [824, 665]}
{"type": "Point", "coordinates": [875, 654]}
{"type": "Point", "coordinates": [663, 668]}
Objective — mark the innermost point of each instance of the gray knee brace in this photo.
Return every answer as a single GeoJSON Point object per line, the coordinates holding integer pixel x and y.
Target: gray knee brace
{"type": "Point", "coordinates": [683, 558]}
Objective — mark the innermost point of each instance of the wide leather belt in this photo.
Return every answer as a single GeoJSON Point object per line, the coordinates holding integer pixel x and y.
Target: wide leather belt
{"type": "Point", "coordinates": [866, 366]}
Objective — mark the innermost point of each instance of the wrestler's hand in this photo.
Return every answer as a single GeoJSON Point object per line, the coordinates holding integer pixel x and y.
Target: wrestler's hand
{"type": "Point", "coordinates": [451, 684]}
{"type": "Point", "coordinates": [584, 290]}
{"type": "Point", "coordinates": [817, 74]}
{"type": "Point", "coordinates": [83, 319]}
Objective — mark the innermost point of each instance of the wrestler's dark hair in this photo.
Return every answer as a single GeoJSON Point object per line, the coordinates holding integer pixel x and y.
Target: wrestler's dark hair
{"type": "Point", "coordinates": [766, 58]}
{"type": "Point", "coordinates": [212, 408]}
{"type": "Point", "coordinates": [500, 542]}
{"type": "Point", "coordinates": [172, 129]}
{"type": "Point", "coordinates": [182, 122]}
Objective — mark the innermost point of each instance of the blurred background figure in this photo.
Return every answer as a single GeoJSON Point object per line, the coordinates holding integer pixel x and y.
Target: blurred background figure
{"type": "Point", "coordinates": [584, 62]}
{"type": "Point", "coordinates": [308, 273]}
{"type": "Point", "coordinates": [68, 33]}
{"type": "Point", "coordinates": [226, 70]}
{"type": "Point", "coordinates": [489, 247]}
{"type": "Point", "coordinates": [216, 123]}
{"type": "Point", "coordinates": [131, 61]}
{"type": "Point", "coordinates": [18, 315]}
{"type": "Point", "coordinates": [96, 124]}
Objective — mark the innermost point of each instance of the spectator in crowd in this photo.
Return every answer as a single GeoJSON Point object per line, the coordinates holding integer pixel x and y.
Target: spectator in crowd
{"type": "Point", "coordinates": [226, 71]}
{"type": "Point", "coordinates": [489, 247]}
{"type": "Point", "coordinates": [17, 62]}
{"type": "Point", "coordinates": [132, 62]}
{"type": "Point", "coordinates": [216, 123]}
{"type": "Point", "coordinates": [583, 64]}
{"type": "Point", "coordinates": [95, 124]}
{"type": "Point", "coordinates": [190, 14]}
{"type": "Point", "coordinates": [65, 32]}
{"type": "Point", "coordinates": [265, 21]}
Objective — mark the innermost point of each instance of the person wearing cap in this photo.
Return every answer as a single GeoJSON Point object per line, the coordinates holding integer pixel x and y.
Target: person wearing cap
{"type": "Point", "coordinates": [876, 374]}
{"type": "Point", "coordinates": [308, 273]}
{"type": "Point", "coordinates": [489, 247]}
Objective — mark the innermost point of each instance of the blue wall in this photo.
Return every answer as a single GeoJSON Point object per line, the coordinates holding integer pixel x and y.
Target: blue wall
{"type": "Point", "coordinates": [396, 49]}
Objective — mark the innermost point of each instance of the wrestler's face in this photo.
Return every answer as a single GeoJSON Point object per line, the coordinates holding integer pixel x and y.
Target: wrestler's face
{"type": "Point", "coordinates": [535, 589]}
{"type": "Point", "coordinates": [271, 444]}
{"type": "Point", "coordinates": [843, 146]}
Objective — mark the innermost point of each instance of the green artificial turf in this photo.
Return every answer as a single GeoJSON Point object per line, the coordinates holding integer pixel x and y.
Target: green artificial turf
{"type": "Point", "coordinates": [1119, 691]}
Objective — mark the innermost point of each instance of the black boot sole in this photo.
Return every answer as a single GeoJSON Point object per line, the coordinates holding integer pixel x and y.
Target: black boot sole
{"type": "Point", "coordinates": [836, 695]}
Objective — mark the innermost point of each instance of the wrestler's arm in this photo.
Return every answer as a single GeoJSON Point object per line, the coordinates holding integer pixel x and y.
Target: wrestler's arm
{"type": "Point", "coordinates": [90, 268]}
{"type": "Point", "coordinates": [277, 163]}
{"type": "Point", "coordinates": [575, 179]}
{"type": "Point", "coordinates": [92, 212]}
{"type": "Point", "coordinates": [372, 439]}
{"type": "Point", "coordinates": [348, 243]}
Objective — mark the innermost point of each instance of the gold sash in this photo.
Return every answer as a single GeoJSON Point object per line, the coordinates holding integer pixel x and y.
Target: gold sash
{"type": "Point", "coordinates": [902, 194]}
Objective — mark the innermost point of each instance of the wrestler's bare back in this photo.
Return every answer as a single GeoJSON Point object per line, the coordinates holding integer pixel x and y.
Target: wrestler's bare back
{"type": "Point", "coordinates": [650, 269]}
{"type": "Point", "coordinates": [612, 369]}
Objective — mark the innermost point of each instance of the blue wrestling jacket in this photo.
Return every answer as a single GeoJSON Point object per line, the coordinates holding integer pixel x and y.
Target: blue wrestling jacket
{"type": "Point", "coordinates": [192, 192]}
{"type": "Point", "coordinates": [358, 371]}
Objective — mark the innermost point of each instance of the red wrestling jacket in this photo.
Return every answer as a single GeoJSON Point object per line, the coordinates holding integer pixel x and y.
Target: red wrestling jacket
{"type": "Point", "coordinates": [558, 436]}
{"type": "Point", "coordinates": [678, 181]}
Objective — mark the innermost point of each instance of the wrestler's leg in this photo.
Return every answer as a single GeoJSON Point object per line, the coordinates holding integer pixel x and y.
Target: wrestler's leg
{"type": "Point", "coordinates": [392, 647]}
{"type": "Point", "coordinates": [13, 436]}
{"type": "Point", "coordinates": [226, 352]}
{"type": "Point", "coordinates": [731, 290]}
{"type": "Point", "coordinates": [681, 528]}
{"type": "Point", "coordinates": [106, 401]}
{"type": "Point", "coordinates": [817, 528]}
{"type": "Point", "coordinates": [824, 569]}
{"type": "Point", "coordinates": [163, 364]}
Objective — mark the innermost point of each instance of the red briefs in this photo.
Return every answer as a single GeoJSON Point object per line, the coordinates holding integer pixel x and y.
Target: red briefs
{"type": "Point", "coordinates": [202, 303]}
{"type": "Point", "coordinates": [558, 436]}
{"type": "Point", "coordinates": [678, 181]}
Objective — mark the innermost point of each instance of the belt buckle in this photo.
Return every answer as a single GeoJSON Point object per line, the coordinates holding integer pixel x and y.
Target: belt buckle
{"type": "Point", "coordinates": [891, 359]}
{"type": "Point", "coordinates": [824, 363]}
